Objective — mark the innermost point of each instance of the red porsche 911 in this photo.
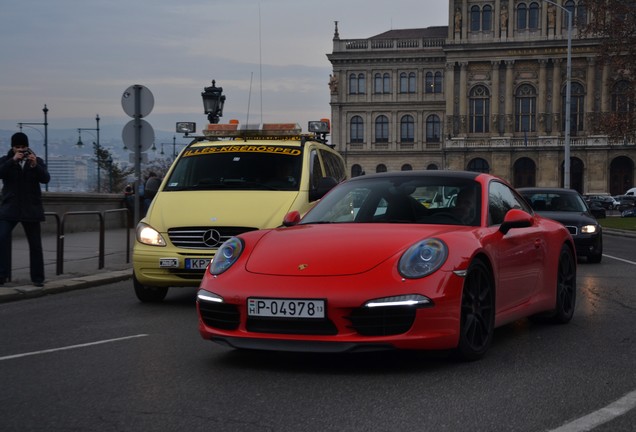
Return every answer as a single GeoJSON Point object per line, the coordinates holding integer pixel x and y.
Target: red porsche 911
{"type": "Point", "coordinates": [428, 260]}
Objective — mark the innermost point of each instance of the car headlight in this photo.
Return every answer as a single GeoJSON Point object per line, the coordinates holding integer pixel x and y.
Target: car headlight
{"type": "Point", "coordinates": [149, 236]}
{"type": "Point", "coordinates": [423, 258]}
{"type": "Point", "coordinates": [226, 256]}
{"type": "Point", "coordinates": [589, 229]}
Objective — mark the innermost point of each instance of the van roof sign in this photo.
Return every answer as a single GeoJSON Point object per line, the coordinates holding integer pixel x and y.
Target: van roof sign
{"type": "Point", "coordinates": [261, 130]}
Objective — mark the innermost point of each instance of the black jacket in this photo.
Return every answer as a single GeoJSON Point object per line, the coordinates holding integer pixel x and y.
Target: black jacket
{"type": "Point", "coordinates": [21, 192]}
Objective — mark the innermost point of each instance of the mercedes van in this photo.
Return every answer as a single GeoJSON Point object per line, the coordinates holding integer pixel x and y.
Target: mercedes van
{"type": "Point", "coordinates": [231, 180]}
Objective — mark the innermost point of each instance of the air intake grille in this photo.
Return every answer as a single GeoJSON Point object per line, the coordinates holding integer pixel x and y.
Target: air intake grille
{"type": "Point", "coordinates": [382, 321]}
{"type": "Point", "coordinates": [219, 315]}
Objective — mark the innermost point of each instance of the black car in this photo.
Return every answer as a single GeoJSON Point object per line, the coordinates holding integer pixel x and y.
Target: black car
{"type": "Point", "coordinates": [568, 207]}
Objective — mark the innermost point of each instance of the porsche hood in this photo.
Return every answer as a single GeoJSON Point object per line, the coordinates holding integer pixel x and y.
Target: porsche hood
{"type": "Point", "coordinates": [333, 249]}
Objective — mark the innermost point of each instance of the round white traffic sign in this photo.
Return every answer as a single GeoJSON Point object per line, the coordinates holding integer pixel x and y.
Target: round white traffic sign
{"type": "Point", "coordinates": [147, 135]}
{"type": "Point", "coordinates": [137, 98]}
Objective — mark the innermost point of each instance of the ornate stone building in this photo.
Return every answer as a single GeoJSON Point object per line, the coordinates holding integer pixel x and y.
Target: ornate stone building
{"type": "Point", "coordinates": [485, 93]}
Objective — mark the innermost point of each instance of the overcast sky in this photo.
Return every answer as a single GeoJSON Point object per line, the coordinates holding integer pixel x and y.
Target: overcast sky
{"type": "Point", "coordinates": [78, 56]}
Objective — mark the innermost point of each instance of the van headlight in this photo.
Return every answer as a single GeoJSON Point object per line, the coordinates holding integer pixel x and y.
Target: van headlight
{"type": "Point", "coordinates": [149, 236]}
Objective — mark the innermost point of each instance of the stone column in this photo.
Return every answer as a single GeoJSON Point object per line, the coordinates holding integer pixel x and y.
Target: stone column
{"type": "Point", "coordinates": [463, 83]}
{"type": "Point", "coordinates": [542, 107]}
{"type": "Point", "coordinates": [509, 98]}
{"type": "Point", "coordinates": [495, 97]}
{"type": "Point", "coordinates": [605, 91]}
{"type": "Point", "coordinates": [556, 96]}
{"type": "Point", "coordinates": [590, 91]}
{"type": "Point", "coordinates": [449, 94]}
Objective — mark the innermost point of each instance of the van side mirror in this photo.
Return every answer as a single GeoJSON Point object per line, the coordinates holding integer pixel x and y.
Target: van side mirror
{"type": "Point", "coordinates": [515, 218]}
{"type": "Point", "coordinates": [325, 184]}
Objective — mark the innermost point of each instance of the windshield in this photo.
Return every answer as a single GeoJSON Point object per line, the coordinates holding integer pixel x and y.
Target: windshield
{"type": "Point", "coordinates": [556, 201]}
{"type": "Point", "coordinates": [424, 200]}
{"type": "Point", "coordinates": [238, 167]}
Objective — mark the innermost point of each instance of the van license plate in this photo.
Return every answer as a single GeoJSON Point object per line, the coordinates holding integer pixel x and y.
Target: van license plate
{"type": "Point", "coordinates": [168, 262]}
{"type": "Point", "coordinates": [196, 263]}
{"type": "Point", "coordinates": [286, 308]}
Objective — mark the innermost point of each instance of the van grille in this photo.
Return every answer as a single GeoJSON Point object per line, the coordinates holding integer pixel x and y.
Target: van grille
{"type": "Point", "coordinates": [203, 237]}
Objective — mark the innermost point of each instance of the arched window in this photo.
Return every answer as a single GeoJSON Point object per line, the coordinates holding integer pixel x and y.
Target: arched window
{"type": "Point", "coordinates": [524, 173]}
{"type": "Point", "coordinates": [577, 108]}
{"type": "Point", "coordinates": [361, 84]}
{"type": "Point", "coordinates": [407, 167]}
{"type": "Point", "coordinates": [433, 128]}
{"type": "Point", "coordinates": [407, 82]}
{"type": "Point", "coordinates": [381, 83]}
{"type": "Point", "coordinates": [433, 82]}
{"type": "Point", "coordinates": [533, 16]}
{"type": "Point", "coordinates": [386, 83]}
{"type": "Point", "coordinates": [407, 129]}
{"type": "Point", "coordinates": [412, 82]}
{"type": "Point", "coordinates": [382, 129]}
{"type": "Point", "coordinates": [479, 114]}
{"type": "Point", "coordinates": [356, 170]}
{"type": "Point", "coordinates": [377, 83]}
{"type": "Point", "coordinates": [353, 84]}
{"type": "Point", "coordinates": [581, 14]}
{"type": "Point", "coordinates": [356, 83]}
{"type": "Point", "coordinates": [621, 97]}
{"type": "Point", "coordinates": [438, 82]}
{"type": "Point", "coordinates": [525, 109]}
{"type": "Point", "coordinates": [380, 168]}
{"type": "Point", "coordinates": [429, 85]}
{"type": "Point", "coordinates": [404, 82]}
{"type": "Point", "coordinates": [431, 167]}
{"type": "Point", "coordinates": [478, 165]}
{"type": "Point", "coordinates": [356, 131]}
{"type": "Point", "coordinates": [522, 16]}
{"type": "Point", "coordinates": [475, 18]}
{"type": "Point", "coordinates": [486, 18]}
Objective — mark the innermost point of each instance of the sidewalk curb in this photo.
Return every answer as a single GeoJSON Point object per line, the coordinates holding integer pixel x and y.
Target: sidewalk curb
{"type": "Point", "coordinates": [57, 286]}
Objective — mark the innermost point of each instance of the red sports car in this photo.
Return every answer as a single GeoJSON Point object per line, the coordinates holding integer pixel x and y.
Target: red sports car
{"type": "Point", "coordinates": [431, 260]}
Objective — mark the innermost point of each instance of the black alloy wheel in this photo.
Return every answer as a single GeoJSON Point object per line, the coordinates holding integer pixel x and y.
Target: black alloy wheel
{"type": "Point", "coordinates": [565, 287]}
{"type": "Point", "coordinates": [477, 312]}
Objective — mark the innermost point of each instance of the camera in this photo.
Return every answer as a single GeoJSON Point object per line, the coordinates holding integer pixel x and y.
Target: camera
{"type": "Point", "coordinates": [26, 152]}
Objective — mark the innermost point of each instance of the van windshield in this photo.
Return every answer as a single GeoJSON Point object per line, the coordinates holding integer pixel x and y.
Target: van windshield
{"type": "Point", "coordinates": [237, 167]}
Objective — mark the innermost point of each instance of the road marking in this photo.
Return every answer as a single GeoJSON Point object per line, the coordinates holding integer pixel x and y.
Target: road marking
{"type": "Point", "coordinates": [620, 259]}
{"type": "Point", "coordinates": [605, 414]}
{"type": "Point", "coordinates": [14, 356]}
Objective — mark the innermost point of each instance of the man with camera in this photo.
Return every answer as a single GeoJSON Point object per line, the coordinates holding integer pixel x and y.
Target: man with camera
{"type": "Point", "coordinates": [22, 172]}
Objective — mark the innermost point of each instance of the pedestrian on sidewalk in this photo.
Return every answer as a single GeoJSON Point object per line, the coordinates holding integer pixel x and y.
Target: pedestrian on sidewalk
{"type": "Point", "coordinates": [22, 172]}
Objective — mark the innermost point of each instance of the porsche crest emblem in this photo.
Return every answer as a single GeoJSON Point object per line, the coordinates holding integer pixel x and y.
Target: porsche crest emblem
{"type": "Point", "coordinates": [302, 266]}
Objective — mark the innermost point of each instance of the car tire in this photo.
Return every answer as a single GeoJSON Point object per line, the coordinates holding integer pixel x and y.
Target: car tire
{"type": "Point", "coordinates": [149, 294]}
{"type": "Point", "coordinates": [566, 287]}
{"type": "Point", "coordinates": [597, 255]}
{"type": "Point", "coordinates": [477, 315]}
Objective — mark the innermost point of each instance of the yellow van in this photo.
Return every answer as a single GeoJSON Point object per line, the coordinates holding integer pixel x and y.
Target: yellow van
{"type": "Point", "coordinates": [231, 180]}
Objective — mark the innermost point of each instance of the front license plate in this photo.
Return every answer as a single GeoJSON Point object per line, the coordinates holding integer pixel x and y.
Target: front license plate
{"type": "Point", "coordinates": [168, 262]}
{"type": "Point", "coordinates": [196, 263]}
{"type": "Point", "coordinates": [286, 308]}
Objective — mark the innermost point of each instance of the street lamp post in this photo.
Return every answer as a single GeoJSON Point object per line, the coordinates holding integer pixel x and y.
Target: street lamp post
{"type": "Point", "coordinates": [80, 144]}
{"type": "Point", "coordinates": [45, 110]}
{"type": "Point", "coordinates": [213, 100]}
{"type": "Point", "coordinates": [568, 97]}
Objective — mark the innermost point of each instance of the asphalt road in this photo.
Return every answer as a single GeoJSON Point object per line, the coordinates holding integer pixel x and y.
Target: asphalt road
{"type": "Point", "coordinates": [98, 360]}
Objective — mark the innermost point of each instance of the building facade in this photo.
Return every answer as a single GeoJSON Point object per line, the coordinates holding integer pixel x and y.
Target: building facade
{"type": "Point", "coordinates": [488, 93]}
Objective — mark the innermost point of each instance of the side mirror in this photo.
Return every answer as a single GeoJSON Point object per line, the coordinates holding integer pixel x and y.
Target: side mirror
{"type": "Point", "coordinates": [292, 218]}
{"type": "Point", "coordinates": [325, 184]}
{"type": "Point", "coordinates": [515, 218]}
